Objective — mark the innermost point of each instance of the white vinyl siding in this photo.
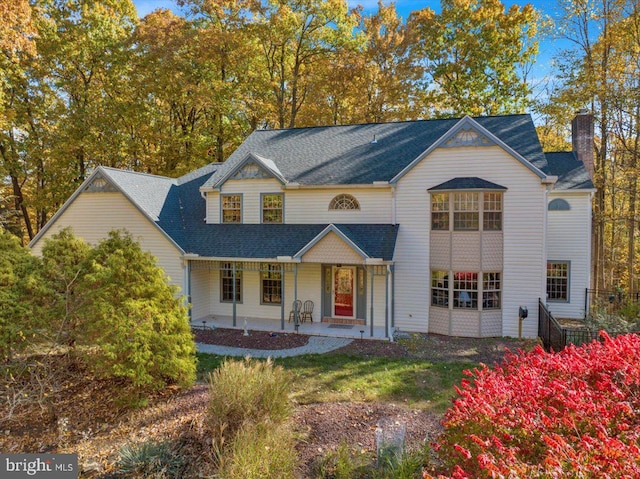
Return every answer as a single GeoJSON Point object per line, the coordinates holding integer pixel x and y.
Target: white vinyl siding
{"type": "Point", "coordinates": [523, 222]}
{"type": "Point", "coordinates": [93, 215]}
{"type": "Point", "coordinates": [569, 240]}
{"type": "Point", "coordinates": [304, 206]}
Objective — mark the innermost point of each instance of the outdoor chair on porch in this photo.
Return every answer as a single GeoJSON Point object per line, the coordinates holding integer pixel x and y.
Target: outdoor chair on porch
{"type": "Point", "coordinates": [307, 312]}
{"type": "Point", "coordinates": [295, 311]}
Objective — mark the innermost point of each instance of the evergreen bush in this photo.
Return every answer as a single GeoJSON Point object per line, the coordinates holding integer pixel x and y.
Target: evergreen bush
{"type": "Point", "coordinates": [139, 325]}
{"type": "Point", "coordinates": [20, 289]}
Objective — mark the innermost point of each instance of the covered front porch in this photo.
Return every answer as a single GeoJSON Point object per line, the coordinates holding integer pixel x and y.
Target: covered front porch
{"type": "Point", "coordinates": [350, 291]}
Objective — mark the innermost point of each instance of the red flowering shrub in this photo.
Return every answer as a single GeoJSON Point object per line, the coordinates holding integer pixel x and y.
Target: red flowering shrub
{"type": "Point", "coordinates": [571, 414]}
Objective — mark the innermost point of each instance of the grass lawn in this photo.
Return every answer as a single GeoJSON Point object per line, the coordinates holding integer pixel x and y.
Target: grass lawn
{"type": "Point", "coordinates": [338, 377]}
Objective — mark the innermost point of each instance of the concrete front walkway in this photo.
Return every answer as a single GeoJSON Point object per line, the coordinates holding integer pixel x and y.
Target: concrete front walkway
{"type": "Point", "coordinates": [316, 345]}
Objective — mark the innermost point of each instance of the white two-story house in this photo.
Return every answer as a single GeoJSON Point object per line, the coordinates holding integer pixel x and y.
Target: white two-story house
{"type": "Point", "coordinates": [440, 226]}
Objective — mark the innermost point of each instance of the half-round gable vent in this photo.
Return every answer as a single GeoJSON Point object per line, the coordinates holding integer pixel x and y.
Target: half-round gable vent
{"type": "Point", "coordinates": [344, 202]}
{"type": "Point", "coordinates": [559, 205]}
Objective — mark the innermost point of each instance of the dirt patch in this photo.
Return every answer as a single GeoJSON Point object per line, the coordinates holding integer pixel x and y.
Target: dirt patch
{"type": "Point", "coordinates": [326, 426]}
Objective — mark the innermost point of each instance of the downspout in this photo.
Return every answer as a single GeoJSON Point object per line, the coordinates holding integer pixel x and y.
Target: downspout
{"type": "Point", "coordinates": [187, 283]}
{"type": "Point", "coordinates": [393, 205]}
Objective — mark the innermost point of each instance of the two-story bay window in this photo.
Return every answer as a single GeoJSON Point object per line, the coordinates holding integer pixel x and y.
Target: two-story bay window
{"type": "Point", "coordinates": [271, 284]}
{"type": "Point", "coordinates": [227, 274]}
{"type": "Point", "coordinates": [558, 280]}
{"type": "Point", "coordinates": [272, 208]}
{"type": "Point", "coordinates": [231, 208]}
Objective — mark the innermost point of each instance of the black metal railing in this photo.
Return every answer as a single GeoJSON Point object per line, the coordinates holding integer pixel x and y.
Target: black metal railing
{"type": "Point", "coordinates": [550, 331]}
{"type": "Point", "coordinates": [556, 337]}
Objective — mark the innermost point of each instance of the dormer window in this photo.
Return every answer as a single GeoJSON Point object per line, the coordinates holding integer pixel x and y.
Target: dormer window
{"type": "Point", "coordinates": [344, 202]}
{"type": "Point", "coordinates": [231, 208]}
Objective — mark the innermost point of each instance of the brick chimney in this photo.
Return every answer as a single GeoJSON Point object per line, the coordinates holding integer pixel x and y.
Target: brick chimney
{"type": "Point", "coordinates": [582, 138]}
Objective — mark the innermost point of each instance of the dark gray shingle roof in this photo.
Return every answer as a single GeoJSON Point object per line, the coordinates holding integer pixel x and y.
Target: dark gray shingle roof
{"type": "Point", "coordinates": [349, 155]}
{"type": "Point", "coordinates": [467, 183]}
{"type": "Point", "coordinates": [262, 241]}
{"type": "Point", "coordinates": [571, 172]}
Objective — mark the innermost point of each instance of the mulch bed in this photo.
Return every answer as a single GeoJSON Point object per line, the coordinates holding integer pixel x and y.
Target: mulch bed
{"type": "Point", "coordinates": [268, 340]}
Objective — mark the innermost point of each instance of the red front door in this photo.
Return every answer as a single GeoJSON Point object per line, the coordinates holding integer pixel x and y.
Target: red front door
{"type": "Point", "coordinates": [343, 297]}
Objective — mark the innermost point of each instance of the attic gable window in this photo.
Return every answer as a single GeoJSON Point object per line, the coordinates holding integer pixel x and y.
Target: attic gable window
{"type": "Point", "coordinates": [344, 202]}
{"type": "Point", "coordinates": [232, 208]}
{"type": "Point", "coordinates": [559, 205]}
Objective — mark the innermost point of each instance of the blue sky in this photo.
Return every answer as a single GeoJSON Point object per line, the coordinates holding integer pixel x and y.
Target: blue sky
{"type": "Point", "coordinates": [548, 47]}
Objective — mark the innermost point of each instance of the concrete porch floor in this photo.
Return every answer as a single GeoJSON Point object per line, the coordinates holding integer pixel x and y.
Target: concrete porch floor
{"type": "Point", "coordinates": [314, 328]}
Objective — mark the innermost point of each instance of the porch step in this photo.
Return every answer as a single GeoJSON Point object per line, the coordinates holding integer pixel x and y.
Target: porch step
{"type": "Point", "coordinates": [343, 321]}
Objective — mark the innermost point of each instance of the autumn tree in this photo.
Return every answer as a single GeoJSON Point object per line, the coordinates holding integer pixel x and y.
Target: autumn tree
{"type": "Point", "coordinates": [294, 37]}
{"type": "Point", "coordinates": [476, 56]}
{"type": "Point", "coordinates": [598, 73]}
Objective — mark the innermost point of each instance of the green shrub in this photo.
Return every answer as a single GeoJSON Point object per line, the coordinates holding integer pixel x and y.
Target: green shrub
{"type": "Point", "coordinates": [64, 266]}
{"type": "Point", "coordinates": [141, 329]}
{"type": "Point", "coordinates": [149, 460]}
{"type": "Point", "coordinates": [246, 392]}
{"type": "Point", "coordinates": [19, 290]}
{"type": "Point", "coordinates": [260, 450]}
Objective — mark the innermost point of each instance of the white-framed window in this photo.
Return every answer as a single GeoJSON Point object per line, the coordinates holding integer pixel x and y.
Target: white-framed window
{"type": "Point", "coordinates": [226, 283]}
{"type": "Point", "coordinates": [468, 287]}
{"type": "Point", "coordinates": [466, 211]}
{"type": "Point", "coordinates": [271, 284]}
{"type": "Point", "coordinates": [492, 211]}
{"type": "Point", "coordinates": [491, 290]}
{"type": "Point", "coordinates": [231, 208]}
{"type": "Point", "coordinates": [465, 290]}
{"type": "Point", "coordinates": [440, 211]}
{"type": "Point", "coordinates": [558, 280]}
{"type": "Point", "coordinates": [344, 202]}
{"type": "Point", "coordinates": [440, 288]}
{"type": "Point", "coordinates": [272, 208]}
